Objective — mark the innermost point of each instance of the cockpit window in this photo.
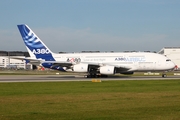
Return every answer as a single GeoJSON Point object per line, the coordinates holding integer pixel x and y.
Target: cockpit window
{"type": "Point", "coordinates": [168, 60]}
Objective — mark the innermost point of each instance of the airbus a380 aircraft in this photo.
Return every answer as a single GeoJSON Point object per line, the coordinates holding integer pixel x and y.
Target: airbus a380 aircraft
{"type": "Point", "coordinates": [94, 64]}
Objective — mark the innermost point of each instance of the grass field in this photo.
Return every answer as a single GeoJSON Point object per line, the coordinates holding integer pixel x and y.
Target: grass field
{"type": "Point", "coordinates": [108, 100]}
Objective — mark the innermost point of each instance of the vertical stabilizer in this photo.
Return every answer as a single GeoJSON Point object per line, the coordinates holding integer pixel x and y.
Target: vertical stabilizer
{"type": "Point", "coordinates": [34, 45]}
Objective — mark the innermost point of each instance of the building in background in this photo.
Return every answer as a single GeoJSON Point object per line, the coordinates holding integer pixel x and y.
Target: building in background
{"type": "Point", "coordinates": [6, 62]}
{"type": "Point", "coordinates": [172, 53]}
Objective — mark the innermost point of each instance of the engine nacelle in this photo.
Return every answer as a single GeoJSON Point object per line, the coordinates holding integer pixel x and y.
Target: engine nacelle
{"type": "Point", "coordinates": [80, 68]}
{"type": "Point", "coordinates": [108, 70]}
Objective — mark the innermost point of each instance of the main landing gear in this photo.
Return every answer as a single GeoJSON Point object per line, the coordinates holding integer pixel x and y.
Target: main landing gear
{"type": "Point", "coordinates": [164, 75]}
{"type": "Point", "coordinates": [93, 75]}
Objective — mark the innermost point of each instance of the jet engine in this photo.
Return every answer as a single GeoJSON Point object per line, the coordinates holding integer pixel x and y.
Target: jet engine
{"type": "Point", "coordinates": [80, 68]}
{"type": "Point", "coordinates": [107, 70]}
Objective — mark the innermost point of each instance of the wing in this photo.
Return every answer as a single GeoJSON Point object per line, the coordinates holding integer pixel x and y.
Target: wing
{"type": "Point", "coordinates": [33, 61]}
{"type": "Point", "coordinates": [18, 58]}
{"type": "Point", "coordinates": [119, 68]}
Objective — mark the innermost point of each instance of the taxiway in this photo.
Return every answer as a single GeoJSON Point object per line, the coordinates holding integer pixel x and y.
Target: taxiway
{"type": "Point", "coordinates": [64, 78]}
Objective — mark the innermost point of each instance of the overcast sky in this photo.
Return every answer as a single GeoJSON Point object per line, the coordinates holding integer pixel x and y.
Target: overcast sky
{"type": "Point", "coordinates": [92, 25]}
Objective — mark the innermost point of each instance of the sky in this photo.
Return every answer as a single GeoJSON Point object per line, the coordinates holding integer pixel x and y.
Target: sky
{"type": "Point", "coordinates": [92, 25]}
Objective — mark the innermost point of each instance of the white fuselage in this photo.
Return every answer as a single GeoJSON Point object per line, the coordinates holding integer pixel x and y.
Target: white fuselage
{"type": "Point", "coordinates": [136, 61]}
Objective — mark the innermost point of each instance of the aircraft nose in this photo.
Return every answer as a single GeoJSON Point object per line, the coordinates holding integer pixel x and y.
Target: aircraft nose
{"type": "Point", "coordinates": [172, 65]}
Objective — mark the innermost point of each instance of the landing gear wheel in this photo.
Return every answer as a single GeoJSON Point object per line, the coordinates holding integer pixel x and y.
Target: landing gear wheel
{"type": "Point", "coordinates": [104, 76]}
{"type": "Point", "coordinates": [164, 75]}
{"type": "Point", "coordinates": [88, 76]}
{"type": "Point", "coordinates": [91, 76]}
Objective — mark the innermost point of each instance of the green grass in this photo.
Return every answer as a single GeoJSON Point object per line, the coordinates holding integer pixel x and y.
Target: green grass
{"type": "Point", "coordinates": [108, 100]}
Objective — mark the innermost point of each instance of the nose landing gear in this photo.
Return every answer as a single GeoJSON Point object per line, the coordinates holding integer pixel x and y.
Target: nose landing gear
{"type": "Point", "coordinates": [164, 75]}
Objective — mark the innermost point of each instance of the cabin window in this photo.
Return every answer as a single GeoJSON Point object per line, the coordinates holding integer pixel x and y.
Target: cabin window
{"type": "Point", "coordinates": [168, 60]}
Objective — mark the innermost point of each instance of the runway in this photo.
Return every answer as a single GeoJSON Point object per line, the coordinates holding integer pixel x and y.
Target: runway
{"type": "Point", "coordinates": [64, 78]}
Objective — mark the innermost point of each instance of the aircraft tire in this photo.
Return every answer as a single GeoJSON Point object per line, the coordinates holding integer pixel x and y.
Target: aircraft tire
{"type": "Point", "coordinates": [164, 75]}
